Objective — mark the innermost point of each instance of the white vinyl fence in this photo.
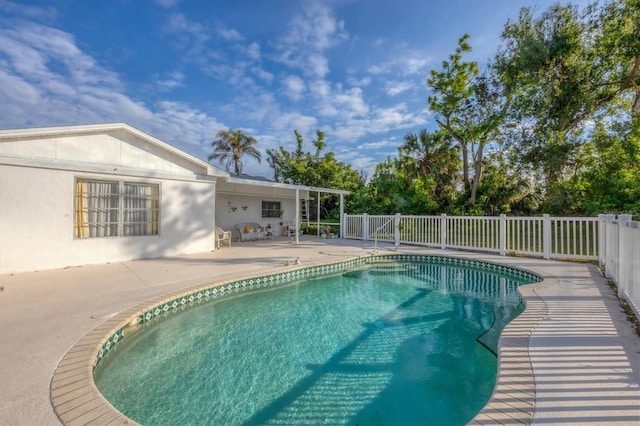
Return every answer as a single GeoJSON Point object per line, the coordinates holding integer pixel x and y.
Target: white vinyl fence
{"type": "Point", "coordinates": [620, 256]}
{"type": "Point", "coordinates": [614, 242]}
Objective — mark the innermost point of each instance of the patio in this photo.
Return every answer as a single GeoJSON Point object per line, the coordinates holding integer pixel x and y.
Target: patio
{"type": "Point", "coordinates": [572, 357]}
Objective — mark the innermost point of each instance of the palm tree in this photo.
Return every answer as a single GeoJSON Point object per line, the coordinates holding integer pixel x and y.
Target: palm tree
{"type": "Point", "coordinates": [229, 146]}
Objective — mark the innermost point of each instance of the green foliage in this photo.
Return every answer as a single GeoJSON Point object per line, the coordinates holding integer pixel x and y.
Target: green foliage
{"type": "Point", "coordinates": [506, 189]}
{"type": "Point", "coordinates": [314, 169]}
{"type": "Point", "coordinates": [609, 181]}
{"type": "Point", "coordinates": [566, 69]}
{"type": "Point", "coordinates": [557, 112]}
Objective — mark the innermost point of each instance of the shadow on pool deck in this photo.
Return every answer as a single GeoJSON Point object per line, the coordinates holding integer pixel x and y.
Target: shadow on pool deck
{"type": "Point", "coordinates": [570, 358]}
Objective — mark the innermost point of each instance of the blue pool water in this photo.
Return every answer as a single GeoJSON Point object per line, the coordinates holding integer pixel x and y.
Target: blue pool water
{"type": "Point", "coordinates": [399, 343]}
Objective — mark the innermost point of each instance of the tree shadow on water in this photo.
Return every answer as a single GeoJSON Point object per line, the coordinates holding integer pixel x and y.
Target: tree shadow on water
{"type": "Point", "coordinates": [379, 377]}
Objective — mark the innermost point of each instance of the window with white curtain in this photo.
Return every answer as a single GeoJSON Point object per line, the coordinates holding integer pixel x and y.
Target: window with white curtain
{"type": "Point", "coordinates": [116, 208]}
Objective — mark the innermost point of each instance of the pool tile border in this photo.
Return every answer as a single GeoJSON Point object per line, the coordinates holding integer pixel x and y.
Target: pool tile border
{"type": "Point", "coordinates": [76, 399]}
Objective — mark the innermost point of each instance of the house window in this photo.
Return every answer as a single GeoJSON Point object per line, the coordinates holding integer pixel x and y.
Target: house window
{"type": "Point", "coordinates": [116, 208]}
{"type": "Point", "coordinates": [271, 209]}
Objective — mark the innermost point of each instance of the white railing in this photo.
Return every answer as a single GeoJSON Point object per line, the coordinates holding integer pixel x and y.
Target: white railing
{"type": "Point", "coordinates": [548, 237]}
{"type": "Point", "coordinates": [614, 242]}
{"type": "Point", "coordinates": [620, 256]}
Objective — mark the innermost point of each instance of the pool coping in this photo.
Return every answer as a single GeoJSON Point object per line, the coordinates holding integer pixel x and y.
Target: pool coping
{"type": "Point", "coordinates": [76, 399]}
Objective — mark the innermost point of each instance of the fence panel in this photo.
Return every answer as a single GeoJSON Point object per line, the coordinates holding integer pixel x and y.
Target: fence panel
{"type": "Point", "coordinates": [420, 230]}
{"type": "Point", "coordinates": [473, 232]}
{"type": "Point", "coordinates": [574, 237]}
{"type": "Point", "coordinates": [353, 225]}
{"type": "Point", "coordinates": [629, 280]}
{"type": "Point", "coordinates": [381, 228]}
{"type": "Point", "coordinates": [525, 235]}
{"type": "Point", "coordinates": [549, 237]}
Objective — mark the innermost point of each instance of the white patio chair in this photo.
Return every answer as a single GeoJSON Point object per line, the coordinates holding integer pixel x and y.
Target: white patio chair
{"type": "Point", "coordinates": [222, 236]}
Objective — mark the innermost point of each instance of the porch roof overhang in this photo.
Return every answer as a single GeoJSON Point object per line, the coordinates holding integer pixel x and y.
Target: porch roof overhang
{"type": "Point", "coordinates": [270, 184]}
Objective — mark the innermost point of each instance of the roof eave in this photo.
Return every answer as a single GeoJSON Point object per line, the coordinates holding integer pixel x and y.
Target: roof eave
{"type": "Point", "coordinates": [241, 181]}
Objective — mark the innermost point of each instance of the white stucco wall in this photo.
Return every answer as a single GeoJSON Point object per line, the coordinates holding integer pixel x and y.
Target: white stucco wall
{"type": "Point", "coordinates": [36, 221]}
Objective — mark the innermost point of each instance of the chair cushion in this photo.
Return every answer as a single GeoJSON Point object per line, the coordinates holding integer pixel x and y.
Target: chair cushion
{"type": "Point", "coordinates": [248, 229]}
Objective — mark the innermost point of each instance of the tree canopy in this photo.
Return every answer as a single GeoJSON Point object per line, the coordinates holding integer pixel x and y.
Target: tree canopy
{"type": "Point", "coordinates": [550, 125]}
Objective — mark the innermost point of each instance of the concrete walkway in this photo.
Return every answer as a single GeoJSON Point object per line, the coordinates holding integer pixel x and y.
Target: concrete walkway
{"type": "Point", "coordinates": [570, 358]}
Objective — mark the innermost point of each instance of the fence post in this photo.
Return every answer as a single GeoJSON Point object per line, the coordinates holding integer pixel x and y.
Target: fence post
{"type": "Point", "coordinates": [396, 229]}
{"type": "Point", "coordinates": [503, 235]}
{"type": "Point", "coordinates": [610, 250]}
{"type": "Point", "coordinates": [343, 226]}
{"type": "Point", "coordinates": [365, 227]}
{"type": "Point", "coordinates": [443, 231]}
{"type": "Point", "coordinates": [602, 239]}
{"type": "Point", "coordinates": [622, 254]}
{"type": "Point", "coordinates": [546, 236]}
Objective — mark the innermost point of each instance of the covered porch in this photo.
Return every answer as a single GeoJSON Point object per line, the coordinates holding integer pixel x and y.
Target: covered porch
{"type": "Point", "coordinates": [276, 207]}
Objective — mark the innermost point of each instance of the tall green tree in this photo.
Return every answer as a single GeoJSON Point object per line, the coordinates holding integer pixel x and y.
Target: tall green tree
{"type": "Point", "coordinates": [229, 146]}
{"type": "Point", "coordinates": [566, 69]}
{"type": "Point", "coordinates": [469, 106]}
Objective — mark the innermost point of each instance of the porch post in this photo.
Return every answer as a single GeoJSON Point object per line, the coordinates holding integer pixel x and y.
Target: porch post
{"type": "Point", "coordinates": [341, 215]}
{"type": "Point", "coordinates": [318, 215]}
{"type": "Point", "coordinates": [297, 221]}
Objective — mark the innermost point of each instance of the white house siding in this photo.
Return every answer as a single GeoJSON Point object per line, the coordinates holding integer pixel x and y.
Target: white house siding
{"type": "Point", "coordinates": [37, 221]}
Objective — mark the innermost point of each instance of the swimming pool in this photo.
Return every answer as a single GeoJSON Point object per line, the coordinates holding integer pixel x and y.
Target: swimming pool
{"type": "Point", "coordinates": [400, 339]}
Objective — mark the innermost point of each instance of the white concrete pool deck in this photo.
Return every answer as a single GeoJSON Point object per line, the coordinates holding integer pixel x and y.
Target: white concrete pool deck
{"type": "Point", "coordinates": [572, 358]}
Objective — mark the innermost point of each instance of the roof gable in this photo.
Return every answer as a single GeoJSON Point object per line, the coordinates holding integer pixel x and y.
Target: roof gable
{"type": "Point", "coordinates": [118, 146]}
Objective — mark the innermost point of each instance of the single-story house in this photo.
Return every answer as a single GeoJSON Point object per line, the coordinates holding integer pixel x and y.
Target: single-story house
{"type": "Point", "coordinates": [89, 194]}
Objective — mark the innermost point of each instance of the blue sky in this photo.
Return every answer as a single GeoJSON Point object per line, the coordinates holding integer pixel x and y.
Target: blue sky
{"type": "Point", "coordinates": [182, 70]}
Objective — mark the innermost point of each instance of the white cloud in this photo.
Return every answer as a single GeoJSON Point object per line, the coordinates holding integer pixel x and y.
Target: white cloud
{"type": "Point", "coordinates": [46, 80]}
{"type": "Point", "coordinates": [378, 145]}
{"type": "Point", "coordinates": [416, 65]}
{"type": "Point", "coordinates": [395, 117]}
{"type": "Point", "coordinates": [166, 3]}
{"type": "Point", "coordinates": [406, 63]}
{"type": "Point", "coordinates": [293, 120]}
{"type": "Point", "coordinates": [32, 49]}
{"type": "Point", "coordinates": [253, 51]}
{"type": "Point", "coordinates": [170, 81]}
{"type": "Point", "coordinates": [229, 34]}
{"type": "Point", "coordinates": [294, 87]}
{"type": "Point", "coordinates": [379, 69]}
{"type": "Point", "coordinates": [334, 101]}
{"type": "Point", "coordinates": [394, 88]}
{"type": "Point", "coordinates": [359, 82]}
{"type": "Point", "coordinates": [178, 23]}
{"type": "Point", "coordinates": [309, 35]}
{"type": "Point", "coordinates": [263, 74]}
{"type": "Point", "coordinates": [33, 12]}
